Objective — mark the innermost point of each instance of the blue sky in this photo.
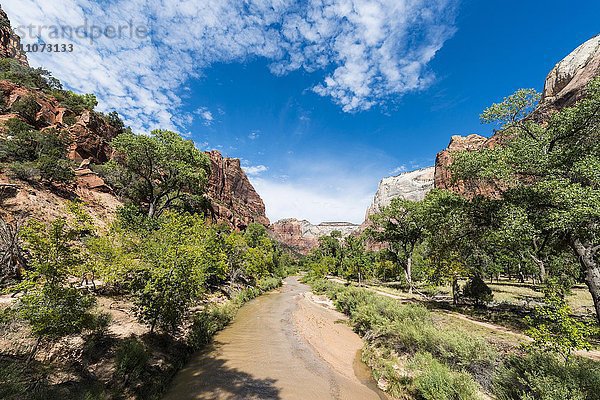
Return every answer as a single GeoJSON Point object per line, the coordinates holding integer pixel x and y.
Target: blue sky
{"type": "Point", "coordinates": [320, 99]}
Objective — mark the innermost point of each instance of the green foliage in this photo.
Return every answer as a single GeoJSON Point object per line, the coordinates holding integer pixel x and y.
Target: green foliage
{"type": "Point", "coordinates": [156, 171]}
{"type": "Point", "coordinates": [553, 329]}
{"type": "Point", "coordinates": [52, 307]}
{"type": "Point", "coordinates": [33, 155]}
{"type": "Point", "coordinates": [115, 120]}
{"type": "Point", "coordinates": [54, 311]}
{"type": "Point", "coordinates": [208, 322]}
{"type": "Point", "coordinates": [513, 108]}
{"type": "Point", "coordinates": [409, 329]}
{"type": "Point", "coordinates": [549, 171]}
{"type": "Point", "coordinates": [131, 359]}
{"type": "Point", "coordinates": [547, 377]}
{"type": "Point", "coordinates": [435, 381]}
{"type": "Point", "coordinates": [33, 78]}
{"type": "Point", "coordinates": [27, 107]}
{"type": "Point", "coordinates": [173, 275]}
{"type": "Point", "coordinates": [477, 290]}
{"type": "Point", "coordinates": [77, 103]}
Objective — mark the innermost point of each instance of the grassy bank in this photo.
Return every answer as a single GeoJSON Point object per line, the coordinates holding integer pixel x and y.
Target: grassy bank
{"type": "Point", "coordinates": [414, 355]}
{"type": "Point", "coordinates": [101, 365]}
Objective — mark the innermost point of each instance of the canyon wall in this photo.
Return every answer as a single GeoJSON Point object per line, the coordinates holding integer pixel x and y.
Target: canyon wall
{"type": "Point", "coordinates": [412, 185]}
{"type": "Point", "coordinates": [564, 85]}
{"type": "Point", "coordinates": [302, 236]}
{"type": "Point", "coordinates": [233, 198]}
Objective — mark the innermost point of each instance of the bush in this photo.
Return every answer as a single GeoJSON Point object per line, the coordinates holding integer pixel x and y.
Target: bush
{"type": "Point", "coordinates": [76, 102]}
{"type": "Point", "coordinates": [546, 376]}
{"type": "Point", "coordinates": [27, 107]}
{"type": "Point", "coordinates": [208, 322]}
{"type": "Point", "coordinates": [435, 381]}
{"type": "Point", "coordinates": [477, 290]}
{"type": "Point", "coordinates": [131, 359]}
{"type": "Point", "coordinates": [33, 78]}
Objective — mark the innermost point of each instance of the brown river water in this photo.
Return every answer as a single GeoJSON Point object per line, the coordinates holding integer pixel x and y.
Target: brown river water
{"type": "Point", "coordinates": [284, 345]}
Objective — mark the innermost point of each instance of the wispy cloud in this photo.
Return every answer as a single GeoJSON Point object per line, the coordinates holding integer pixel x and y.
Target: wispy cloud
{"type": "Point", "coordinates": [370, 50]}
{"type": "Point", "coordinates": [205, 115]}
{"type": "Point", "coordinates": [254, 135]}
{"type": "Point", "coordinates": [255, 170]}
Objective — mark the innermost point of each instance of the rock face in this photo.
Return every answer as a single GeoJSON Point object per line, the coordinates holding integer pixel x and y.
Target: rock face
{"type": "Point", "coordinates": [412, 185]}
{"type": "Point", "coordinates": [443, 177]}
{"type": "Point", "coordinates": [233, 198]}
{"type": "Point", "coordinates": [564, 85]}
{"type": "Point", "coordinates": [10, 44]}
{"type": "Point", "coordinates": [302, 236]}
{"type": "Point", "coordinates": [566, 82]}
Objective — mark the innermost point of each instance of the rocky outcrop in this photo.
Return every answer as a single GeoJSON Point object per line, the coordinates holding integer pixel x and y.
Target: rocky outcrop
{"type": "Point", "coordinates": [443, 177]}
{"type": "Point", "coordinates": [89, 132]}
{"type": "Point", "coordinates": [10, 44]}
{"type": "Point", "coordinates": [302, 236]}
{"type": "Point", "coordinates": [412, 185]}
{"type": "Point", "coordinates": [565, 84]}
{"type": "Point", "coordinates": [233, 198]}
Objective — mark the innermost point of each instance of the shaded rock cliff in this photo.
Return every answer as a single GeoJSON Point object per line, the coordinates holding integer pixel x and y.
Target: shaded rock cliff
{"type": "Point", "coordinates": [233, 198]}
{"type": "Point", "coordinates": [564, 85]}
{"type": "Point", "coordinates": [10, 44]}
{"type": "Point", "coordinates": [302, 236]}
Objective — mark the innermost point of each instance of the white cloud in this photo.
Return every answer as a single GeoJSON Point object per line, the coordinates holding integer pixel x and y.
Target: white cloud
{"type": "Point", "coordinates": [295, 199]}
{"type": "Point", "coordinates": [206, 115]}
{"type": "Point", "coordinates": [255, 170]}
{"type": "Point", "coordinates": [370, 49]}
{"type": "Point", "coordinates": [254, 135]}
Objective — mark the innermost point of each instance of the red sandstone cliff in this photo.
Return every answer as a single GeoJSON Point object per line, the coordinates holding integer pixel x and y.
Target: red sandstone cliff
{"type": "Point", "coordinates": [233, 198]}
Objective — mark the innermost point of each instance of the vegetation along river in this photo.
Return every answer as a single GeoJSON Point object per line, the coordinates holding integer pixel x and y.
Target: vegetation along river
{"type": "Point", "coordinates": [285, 345]}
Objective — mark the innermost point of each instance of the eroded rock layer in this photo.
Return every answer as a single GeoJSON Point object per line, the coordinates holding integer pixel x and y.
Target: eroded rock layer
{"type": "Point", "coordinates": [302, 236]}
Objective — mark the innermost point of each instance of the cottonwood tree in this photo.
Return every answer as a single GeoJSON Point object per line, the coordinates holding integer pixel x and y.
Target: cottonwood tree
{"type": "Point", "coordinates": [552, 171]}
{"type": "Point", "coordinates": [173, 274]}
{"type": "Point", "coordinates": [400, 226]}
{"type": "Point", "coordinates": [157, 170]}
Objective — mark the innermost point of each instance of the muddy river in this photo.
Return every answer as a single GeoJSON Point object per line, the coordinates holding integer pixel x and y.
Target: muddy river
{"type": "Point", "coordinates": [288, 344]}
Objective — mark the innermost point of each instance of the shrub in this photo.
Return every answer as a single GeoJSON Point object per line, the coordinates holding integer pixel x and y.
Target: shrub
{"type": "Point", "coordinates": [25, 171]}
{"type": "Point", "coordinates": [546, 376]}
{"type": "Point", "coordinates": [208, 322]}
{"type": "Point", "coordinates": [27, 107]}
{"type": "Point", "coordinates": [435, 381]}
{"type": "Point", "coordinates": [477, 290]}
{"type": "Point", "coordinates": [76, 102]}
{"type": "Point", "coordinates": [131, 359]}
{"type": "Point", "coordinates": [33, 78]}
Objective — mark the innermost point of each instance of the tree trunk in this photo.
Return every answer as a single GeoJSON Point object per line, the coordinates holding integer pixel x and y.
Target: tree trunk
{"type": "Point", "coordinates": [586, 254]}
{"type": "Point", "coordinates": [455, 291]}
{"type": "Point", "coordinates": [408, 274]}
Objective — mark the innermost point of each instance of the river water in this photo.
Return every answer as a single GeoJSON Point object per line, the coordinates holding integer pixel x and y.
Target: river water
{"type": "Point", "coordinates": [283, 345]}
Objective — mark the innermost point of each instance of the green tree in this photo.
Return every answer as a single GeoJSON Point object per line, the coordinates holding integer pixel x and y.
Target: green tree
{"type": "Point", "coordinates": [553, 329]}
{"type": "Point", "coordinates": [173, 275]}
{"type": "Point", "coordinates": [551, 170]}
{"type": "Point", "coordinates": [400, 227]}
{"type": "Point", "coordinates": [158, 170]}
{"type": "Point", "coordinates": [51, 306]}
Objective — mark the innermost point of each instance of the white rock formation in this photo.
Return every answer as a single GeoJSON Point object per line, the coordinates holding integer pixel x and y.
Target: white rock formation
{"type": "Point", "coordinates": [412, 185]}
{"type": "Point", "coordinates": [565, 82]}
